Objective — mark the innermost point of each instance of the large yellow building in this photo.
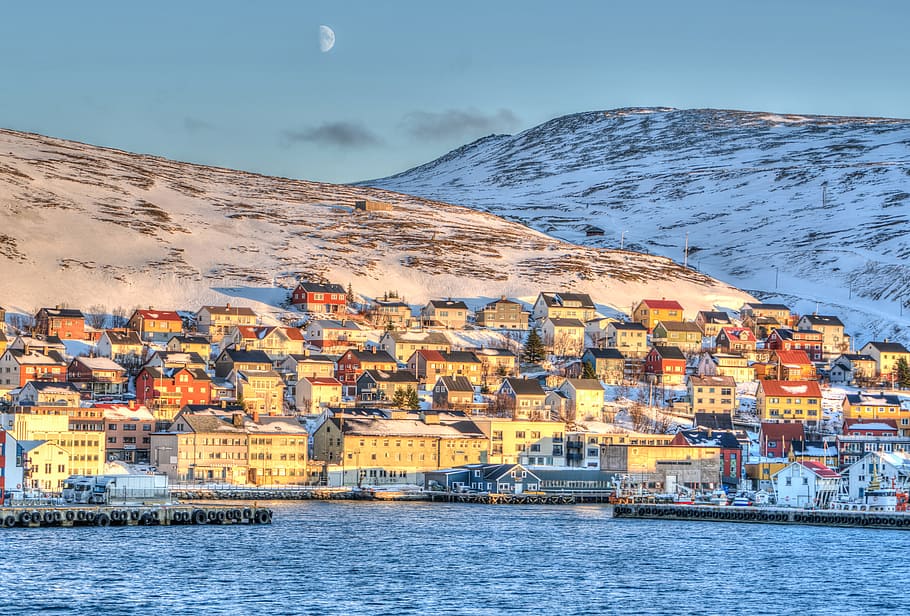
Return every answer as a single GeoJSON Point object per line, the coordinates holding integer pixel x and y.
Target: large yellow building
{"type": "Point", "coordinates": [46, 466]}
{"type": "Point", "coordinates": [524, 441]}
{"type": "Point", "coordinates": [213, 445]}
{"type": "Point", "coordinates": [398, 449]}
{"type": "Point", "coordinates": [875, 406]}
{"type": "Point", "coordinates": [84, 448]}
{"type": "Point", "coordinates": [789, 401]}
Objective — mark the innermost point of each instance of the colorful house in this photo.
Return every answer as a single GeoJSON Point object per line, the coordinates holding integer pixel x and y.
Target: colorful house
{"type": "Point", "coordinates": [684, 335]}
{"type": "Point", "coordinates": [64, 323]}
{"type": "Point", "coordinates": [665, 365]}
{"type": "Point", "coordinates": [872, 406]}
{"type": "Point", "coordinates": [887, 355]}
{"type": "Point", "coordinates": [503, 314]}
{"type": "Point", "coordinates": [784, 339]}
{"type": "Point", "coordinates": [316, 392]}
{"type": "Point", "coordinates": [806, 484]}
{"type": "Point", "coordinates": [712, 394]}
{"type": "Point", "coordinates": [563, 306]}
{"type": "Point", "coordinates": [834, 340]}
{"type": "Point", "coordinates": [428, 366]}
{"type": "Point", "coordinates": [630, 339]}
{"type": "Point", "coordinates": [739, 340]}
{"type": "Point", "coordinates": [792, 366]}
{"type": "Point", "coordinates": [446, 313]}
{"type": "Point", "coordinates": [608, 364]}
{"type": "Point", "coordinates": [522, 398]}
{"type": "Point", "coordinates": [157, 326]}
{"type": "Point", "coordinates": [789, 401]}
{"type": "Point", "coordinates": [565, 337]}
{"type": "Point", "coordinates": [649, 311]}
{"type": "Point", "coordinates": [216, 321]}
{"type": "Point", "coordinates": [320, 298]}
{"type": "Point", "coordinates": [354, 363]}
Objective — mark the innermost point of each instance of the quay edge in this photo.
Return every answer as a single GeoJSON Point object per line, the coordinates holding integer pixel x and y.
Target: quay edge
{"type": "Point", "coordinates": [766, 515]}
{"type": "Point", "coordinates": [130, 515]}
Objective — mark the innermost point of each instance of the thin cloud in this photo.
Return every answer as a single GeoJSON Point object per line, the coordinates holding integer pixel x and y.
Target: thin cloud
{"type": "Point", "coordinates": [457, 123]}
{"type": "Point", "coordinates": [340, 134]}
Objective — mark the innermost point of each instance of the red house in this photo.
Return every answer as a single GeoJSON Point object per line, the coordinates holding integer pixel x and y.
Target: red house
{"type": "Point", "coordinates": [665, 364]}
{"type": "Point", "coordinates": [98, 376]}
{"type": "Point", "coordinates": [731, 452]}
{"type": "Point", "coordinates": [65, 323]}
{"type": "Point", "coordinates": [173, 387]}
{"type": "Point", "coordinates": [776, 438]}
{"type": "Point", "coordinates": [865, 427]}
{"type": "Point", "coordinates": [321, 298]}
{"type": "Point", "coordinates": [354, 363]}
{"type": "Point", "coordinates": [735, 340]}
{"type": "Point", "coordinates": [808, 340]}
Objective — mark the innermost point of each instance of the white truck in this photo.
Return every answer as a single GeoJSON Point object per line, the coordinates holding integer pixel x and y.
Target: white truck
{"type": "Point", "coordinates": [114, 489]}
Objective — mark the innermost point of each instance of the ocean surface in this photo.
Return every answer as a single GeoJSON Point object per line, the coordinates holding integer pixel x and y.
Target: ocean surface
{"type": "Point", "coordinates": [423, 558]}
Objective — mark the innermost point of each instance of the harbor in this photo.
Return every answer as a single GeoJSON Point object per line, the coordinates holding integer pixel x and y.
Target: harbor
{"type": "Point", "coordinates": [891, 520]}
{"type": "Point", "coordinates": [130, 515]}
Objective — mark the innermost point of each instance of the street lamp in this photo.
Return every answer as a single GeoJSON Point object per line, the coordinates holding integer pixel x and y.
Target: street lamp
{"type": "Point", "coordinates": [622, 239]}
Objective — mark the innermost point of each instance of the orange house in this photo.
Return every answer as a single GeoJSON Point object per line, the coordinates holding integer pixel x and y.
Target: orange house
{"type": "Point", "coordinates": [649, 311]}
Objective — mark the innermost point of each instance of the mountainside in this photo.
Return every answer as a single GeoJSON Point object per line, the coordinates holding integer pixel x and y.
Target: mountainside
{"type": "Point", "coordinates": [86, 225]}
{"type": "Point", "coordinates": [810, 208]}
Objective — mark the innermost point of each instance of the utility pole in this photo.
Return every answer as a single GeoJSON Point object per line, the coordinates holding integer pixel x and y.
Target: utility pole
{"type": "Point", "coordinates": [622, 240]}
{"type": "Point", "coordinates": [686, 252]}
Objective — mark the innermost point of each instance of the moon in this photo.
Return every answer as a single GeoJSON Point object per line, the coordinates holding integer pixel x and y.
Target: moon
{"type": "Point", "coordinates": [326, 38]}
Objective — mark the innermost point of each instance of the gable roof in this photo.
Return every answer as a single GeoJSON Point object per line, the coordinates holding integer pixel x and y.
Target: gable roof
{"type": "Point", "coordinates": [888, 347]}
{"type": "Point", "coordinates": [448, 303]}
{"type": "Point", "coordinates": [859, 425]}
{"type": "Point", "coordinates": [585, 384]}
{"type": "Point", "coordinates": [563, 299]}
{"type": "Point", "coordinates": [68, 313]}
{"type": "Point", "coordinates": [796, 357]}
{"type": "Point", "coordinates": [159, 315]}
{"type": "Point", "coordinates": [714, 316]}
{"type": "Point", "coordinates": [422, 337]}
{"type": "Point", "coordinates": [229, 310]}
{"type": "Point", "coordinates": [604, 353]}
{"type": "Point", "coordinates": [716, 380]}
{"type": "Point", "coordinates": [247, 357]}
{"type": "Point", "coordinates": [819, 469]}
{"type": "Point", "coordinates": [680, 326]}
{"type": "Point", "coordinates": [662, 304]}
{"type": "Point", "coordinates": [455, 383]}
{"type": "Point", "coordinates": [576, 323]}
{"type": "Point", "coordinates": [668, 352]}
{"type": "Point", "coordinates": [370, 356]}
{"type": "Point", "coordinates": [760, 306]}
{"type": "Point", "coordinates": [628, 326]}
{"type": "Point", "coordinates": [524, 387]}
{"type": "Point", "coordinates": [742, 334]}
{"type": "Point", "coordinates": [793, 389]}
{"type": "Point", "coordinates": [128, 338]}
{"type": "Point", "coordinates": [315, 287]}
{"type": "Point", "coordinates": [99, 363]}
{"type": "Point", "coordinates": [714, 421]}
{"type": "Point", "coordinates": [818, 319]}
{"type": "Point", "coordinates": [873, 399]}
{"type": "Point", "coordinates": [386, 376]}
{"type": "Point", "coordinates": [709, 438]}
{"type": "Point", "coordinates": [771, 431]}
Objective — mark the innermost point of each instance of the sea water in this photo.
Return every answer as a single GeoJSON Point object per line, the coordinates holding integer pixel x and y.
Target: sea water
{"type": "Point", "coordinates": [323, 557]}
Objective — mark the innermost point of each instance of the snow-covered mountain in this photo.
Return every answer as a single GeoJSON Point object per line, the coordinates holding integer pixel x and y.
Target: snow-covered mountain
{"type": "Point", "coordinates": [85, 225]}
{"type": "Point", "coordinates": [810, 209]}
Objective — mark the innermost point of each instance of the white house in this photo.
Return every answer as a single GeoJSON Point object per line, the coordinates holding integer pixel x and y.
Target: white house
{"type": "Point", "coordinates": [890, 468]}
{"type": "Point", "coordinates": [806, 484]}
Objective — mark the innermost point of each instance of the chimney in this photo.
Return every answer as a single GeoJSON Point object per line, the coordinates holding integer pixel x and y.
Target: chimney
{"type": "Point", "coordinates": [430, 419]}
{"type": "Point", "coordinates": [227, 306]}
{"type": "Point", "coordinates": [237, 420]}
{"type": "Point", "coordinates": [255, 416]}
{"type": "Point", "coordinates": [131, 404]}
{"type": "Point", "coordinates": [224, 404]}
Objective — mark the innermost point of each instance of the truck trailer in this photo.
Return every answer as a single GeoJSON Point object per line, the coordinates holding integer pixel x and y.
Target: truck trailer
{"type": "Point", "coordinates": [114, 489]}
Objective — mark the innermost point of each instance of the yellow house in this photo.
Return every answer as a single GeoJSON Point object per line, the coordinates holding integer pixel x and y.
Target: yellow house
{"type": "Point", "coordinates": [661, 466]}
{"type": "Point", "coordinates": [398, 449]}
{"type": "Point", "coordinates": [190, 344]}
{"type": "Point", "coordinates": [564, 336]}
{"type": "Point", "coordinates": [313, 393]}
{"type": "Point", "coordinates": [585, 398]}
{"type": "Point", "coordinates": [630, 339]}
{"type": "Point", "coordinates": [649, 311]}
{"type": "Point", "coordinates": [875, 406]}
{"type": "Point", "coordinates": [262, 391]}
{"type": "Point", "coordinates": [789, 401]}
{"type": "Point", "coordinates": [48, 465]}
{"type": "Point", "coordinates": [887, 355]}
{"type": "Point", "coordinates": [230, 447]}
{"type": "Point", "coordinates": [85, 448]}
{"type": "Point", "coordinates": [712, 394]}
{"type": "Point", "coordinates": [215, 321]}
{"type": "Point", "coordinates": [524, 441]}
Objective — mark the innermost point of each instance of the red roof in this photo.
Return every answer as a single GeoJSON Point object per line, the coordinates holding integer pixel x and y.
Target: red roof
{"type": "Point", "coordinates": [159, 315]}
{"type": "Point", "coordinates": [820, 469]}
{"type": "Point", "coordinates": [873, 425]}
{"type": "Point", "coordinates": [322, 380]}
{"type": "Point", "coordinates": [293, 333]}
{"type": "Point", "coordinates": [661, 304]}
{"type": "Point", "coordinates": [791, 389]}
{"type": "Point", "coordinates": [736, 333]}
{"type": "Point", "coordinates": [791, 358]}
{"type": "Point", "coordinates": [788, 431]}
{"type": "Point", "coordinates": [431, 355]}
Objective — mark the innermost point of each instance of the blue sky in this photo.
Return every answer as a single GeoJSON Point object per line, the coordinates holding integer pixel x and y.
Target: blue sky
{"type": "Point", "coordinates": [244, 85]}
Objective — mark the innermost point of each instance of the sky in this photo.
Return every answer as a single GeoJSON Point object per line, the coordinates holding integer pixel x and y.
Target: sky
{"type": "Point", "coordinates": [244, 85]}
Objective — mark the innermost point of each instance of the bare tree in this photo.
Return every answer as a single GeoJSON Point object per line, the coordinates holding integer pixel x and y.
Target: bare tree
{"type": "Point", "coordinates": [96, 316]}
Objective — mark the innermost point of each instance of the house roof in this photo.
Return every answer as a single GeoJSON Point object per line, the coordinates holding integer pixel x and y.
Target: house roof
{"type": "Point", "coordinates": [54, 387]}
{"type": "Point", "coordinates": [714, 316]}
{"type": "Point", "coordinates": [582, 300]}
{"type": "Point", "coordinates": [198, 373]}
{"type": "Point", "coordinates": [449, 304]}
{"type": "Point", "coordinates": [788, 431]}
{"type": "Point", "coordinates": [818, 319]}
{"type": "Point", "coordinates": [492, 352]}
{"type": "Point", "coordinates": [585, 384]}
{"type": "Point", "coordinates": [712, 381]}
{"type": "Point", "coordinates": [680, 326]}
{"type": "Point", "coordinates": [381, 357]}
{"type": "Point", "coordinates": [662, 304]}
{"type": "Point", "coordinates": [855, 357]}
{"type": "Point", "coordinates": [127, 338]}
{"type": "Point", "coordinates": [524, 387]}
{"type": "Point", "coordinates": [714, 421]}
{"type": "Point", "coordinates": [815, 449]}
{"type": "Point", "coordinates": [322, 381]}
{"type": "Point", "coordinates": [229, 310]}
{"type": "Point", "coordinates": [315, 287]}
{"type": "Point", "coordinates": [35, 358]}
{"type": "Point", "coordinates": [873, 399]}
{"type": "Point", "coordinates": [796, 357]}
{"type": "Point", "coordinates": [795, 389]}
{"type": "Point", "coordinates": [99, 363]}
{"type": "Point", "coordinates": [374, 426]}
{"type": "Point", "coordinates": [119, 412]}
{"type": "Point", "coordinates": [742, 334]}
{"type": "Point", "coordinates": [878, 425]}
{"type": "Point", "coordinates": [497, 471]}
{"type": "Point", "coordinates": [668, 352]}
{"type": "Point", "coordinates": [184, 339]}
{"type": "Point", "coordinates": [159, 315]}
{"type": "Point", "coordinates": [576, 323]}
{"type": "Point", "coordinates": [456, 383]}
{"type": "Point", "coordinates": [177, 357]}
{"type": "Point", "coordinates": [766, 306]}
{"type": "Point", "coordinates": [710, 438]}
{"type": "Point", "coordinates": [819, 469]}
{"type": "Point", "coordinates": [385, 376]}
{"type": "Point", "coordinates": [69, 313]}
{"type": "Point", "coordinates": [242, 356]}
{"type": "Point", "coordinates": [460, 357]}
{"type": "Point", "coordinates": [888, 347]}
{"type": "Point", "coordinates": [604, 353]}
{"type": "Point", "coordinates": [628, 326]}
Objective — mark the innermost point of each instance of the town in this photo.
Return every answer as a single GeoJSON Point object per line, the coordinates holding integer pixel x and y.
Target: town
{"type": "Point", "coordinates": [543, 397]}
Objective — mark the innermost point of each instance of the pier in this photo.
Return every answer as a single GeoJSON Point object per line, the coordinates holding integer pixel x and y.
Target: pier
{"type": "Point", "coordinates": [766, 515]}
{"type": "Point", "coordinates": [130, 515]}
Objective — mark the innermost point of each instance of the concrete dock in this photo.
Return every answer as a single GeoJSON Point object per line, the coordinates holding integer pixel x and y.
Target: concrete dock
{"type": "Point", "coordinates": [130, 515]}
{"type": "Point", "coordinates": [896, 520]}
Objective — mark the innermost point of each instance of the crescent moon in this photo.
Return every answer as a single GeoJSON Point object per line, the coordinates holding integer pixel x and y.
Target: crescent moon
{"type": "Point", "coordinates": [326, 38]}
